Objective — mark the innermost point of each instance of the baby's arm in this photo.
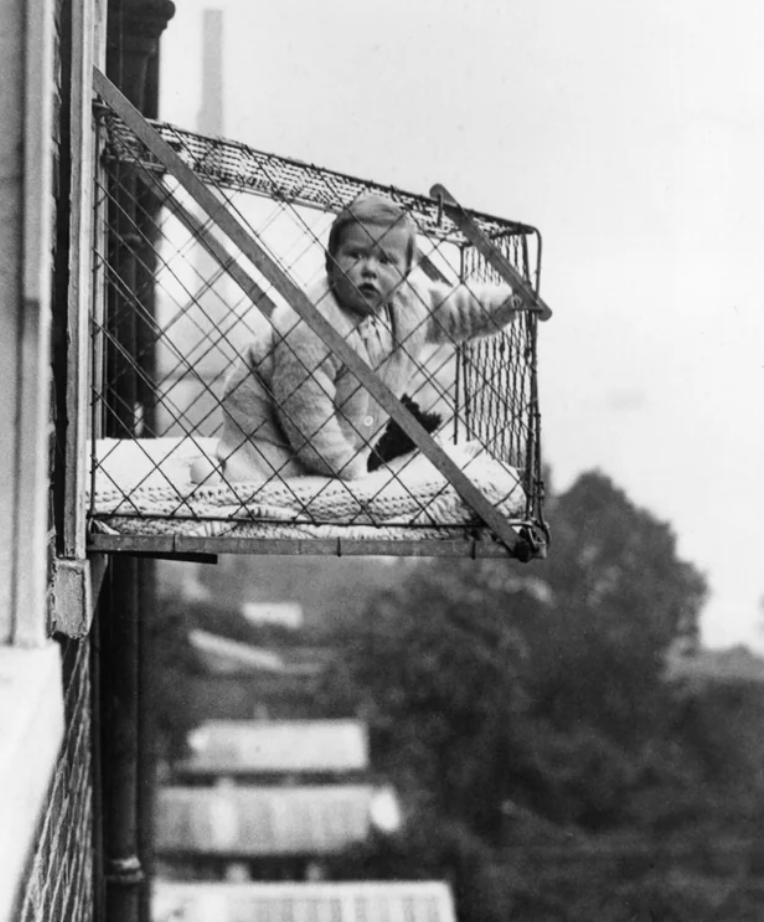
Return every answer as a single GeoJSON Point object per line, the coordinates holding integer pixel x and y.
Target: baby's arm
{"type": "Point", "coordinates": [304, 391]}
{"type": "Point", "coordinates": [467, 311]}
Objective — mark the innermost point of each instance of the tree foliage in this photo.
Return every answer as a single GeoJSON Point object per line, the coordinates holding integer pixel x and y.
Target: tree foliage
{"type": "Point", "coordinates": [529, 709]}
{"type": "Point", "coordinates": [432, 664]}
{"type": "Point", "coordinates": [621, 594]}
{"type": "Point", "coordinates": [485, 683]}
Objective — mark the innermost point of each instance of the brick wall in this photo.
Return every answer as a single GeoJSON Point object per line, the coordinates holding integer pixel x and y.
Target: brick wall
{"type": "Point", "coordinates": [60, 882]}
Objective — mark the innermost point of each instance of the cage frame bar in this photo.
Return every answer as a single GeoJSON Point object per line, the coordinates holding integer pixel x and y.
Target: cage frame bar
{"type": "Point", "coordinates": [438, 222]}
{"type": "Point", "coordinates": [175, 546]}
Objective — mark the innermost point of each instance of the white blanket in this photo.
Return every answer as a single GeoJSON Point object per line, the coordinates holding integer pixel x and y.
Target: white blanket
{"type": "Point", "coordinates": [143, 487]}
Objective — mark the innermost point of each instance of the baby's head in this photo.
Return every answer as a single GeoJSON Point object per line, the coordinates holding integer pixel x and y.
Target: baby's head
{"type": "Point", "coordinates": [371, 250]}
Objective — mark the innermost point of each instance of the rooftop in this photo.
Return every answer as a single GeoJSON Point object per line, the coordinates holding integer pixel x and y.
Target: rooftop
{"type": "Point", "coordinates": [231, 747]}
{"type": "Point", "coordinates": [270, 821]}
{"type": "Point", "coordinates": [418, 901]}
{"type": "Point", "coordinates": [735, 665]}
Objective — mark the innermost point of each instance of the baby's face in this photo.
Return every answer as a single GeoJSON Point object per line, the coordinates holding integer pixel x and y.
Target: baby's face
{"type": "Point", "coordinates": [370, 263]}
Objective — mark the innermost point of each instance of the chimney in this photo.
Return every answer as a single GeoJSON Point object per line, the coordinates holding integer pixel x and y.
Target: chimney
{"type": "Point", "coordinates": [211, 115]}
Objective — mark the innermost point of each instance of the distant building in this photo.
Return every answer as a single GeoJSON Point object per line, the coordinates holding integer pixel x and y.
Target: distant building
{"type": "Point", "coordinates": [236, 681]}
{"type": "Point", "coordinates": [722, 698]}
{"type": "Point", "coordinates": [271, 833]}
{"type": "Point", "coordinates": [393, 901]}
{"type": "Point", "coordinates": [284, 614]}
{"type": "Point", "coordinates": [262, 695]}
{"type": "Point", "coordinates": [251, 751]}
{"type": "Point", "coordinates": [222, 655]}
{"type": "Point", "coordinates": [733, 666]}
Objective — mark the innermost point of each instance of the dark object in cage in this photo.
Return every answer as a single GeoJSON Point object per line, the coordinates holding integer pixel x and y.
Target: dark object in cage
{"type": "Point", "coordinates": [395, 442]}
{"type": "Point", "coordinates": [207, 246]}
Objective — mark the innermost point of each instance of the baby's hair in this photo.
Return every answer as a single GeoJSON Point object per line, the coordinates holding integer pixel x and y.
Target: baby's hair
{"type": "Point", "coordinates": [375, 210]}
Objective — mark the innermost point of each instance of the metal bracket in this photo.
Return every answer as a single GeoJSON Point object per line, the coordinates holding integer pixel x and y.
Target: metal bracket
{"type": "Point", "coordinates": [77, 584]}
{"type": "Point", "coordinates": [494, 257]}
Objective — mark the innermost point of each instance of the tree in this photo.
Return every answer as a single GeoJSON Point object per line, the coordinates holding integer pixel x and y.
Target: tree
{"type": "Point", "coordinates": [601, 721]}
{"type": "Point", "coordinates": [433, 663]}
{"type": "Point", "coordinates": [483, 682]}
{"type": "Point", "coordinates": [621, 598]}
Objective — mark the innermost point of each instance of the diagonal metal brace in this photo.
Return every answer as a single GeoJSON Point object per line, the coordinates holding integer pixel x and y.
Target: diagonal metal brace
{"type": "Point", "coordinates": [298, 300]}
{"type": "Point", "coordinates": [495, 258]}
{"type": "Point", "coordinates": [211, 244]}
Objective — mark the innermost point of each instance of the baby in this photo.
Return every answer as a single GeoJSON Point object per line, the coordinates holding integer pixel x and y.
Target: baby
{"type": "Point", "coordinates": [290, 406]}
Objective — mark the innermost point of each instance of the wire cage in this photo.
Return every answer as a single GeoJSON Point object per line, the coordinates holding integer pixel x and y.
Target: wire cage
{"type": "Point", "coordinates": [181, 303]}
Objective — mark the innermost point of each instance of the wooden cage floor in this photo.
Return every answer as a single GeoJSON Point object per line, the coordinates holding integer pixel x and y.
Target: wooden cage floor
{"type": "Point", "coordinates": [130, 476]}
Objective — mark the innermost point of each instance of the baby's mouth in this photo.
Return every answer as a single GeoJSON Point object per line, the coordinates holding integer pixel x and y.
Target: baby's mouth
{"type": "Point", "coordinates": [368, 289]}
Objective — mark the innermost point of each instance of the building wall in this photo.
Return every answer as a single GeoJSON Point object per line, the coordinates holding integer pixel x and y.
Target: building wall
{"type": "Point", "coordinates": [60, 881]}
{"type": "Point", "coordinates": [46, 752]}
{"type": "Point", "coordinates": [11, 108]}
{"type": "Point", "coordinates": [50, 854]}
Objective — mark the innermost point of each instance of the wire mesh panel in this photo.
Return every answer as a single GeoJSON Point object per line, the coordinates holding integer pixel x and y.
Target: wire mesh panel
{"type": "Point", "coordinates": [223, 419]}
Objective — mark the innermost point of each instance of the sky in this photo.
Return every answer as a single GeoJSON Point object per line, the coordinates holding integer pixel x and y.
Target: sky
{"type": "Point", "coordinates": [632, 135]}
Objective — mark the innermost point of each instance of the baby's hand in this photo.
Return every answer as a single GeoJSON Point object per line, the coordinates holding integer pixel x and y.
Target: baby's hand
{"type": "Point", "coordinates": [513, 303]}
{"type": "Point", "coordinates": [508, 310]}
